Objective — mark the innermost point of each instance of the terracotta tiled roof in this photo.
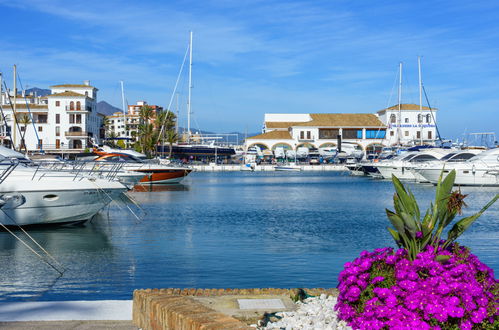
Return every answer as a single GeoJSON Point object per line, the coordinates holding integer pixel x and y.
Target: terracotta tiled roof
{"type": "Point", "coordinates": [407, 106]}
{"type": "Point", "coordinates": [272, 135]}
{"type": "Point", "coordinates": [66, 93]}
{"type": "Point", "coordinates": [343, 120]}
{"type": "Point", "coordinates": [21, 106]}
{"type": "Point", "coordinates": [73, 85]}
{"type": "Point", "coordinates": [280, 124]}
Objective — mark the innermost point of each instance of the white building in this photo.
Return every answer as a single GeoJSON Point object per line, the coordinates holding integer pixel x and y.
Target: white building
{"type": "Point", "coordinates": [370, 132]}
{"type": "Point", "coordinates": [409, 124]}
{"type": "Point", "coordinates": [67, 119]}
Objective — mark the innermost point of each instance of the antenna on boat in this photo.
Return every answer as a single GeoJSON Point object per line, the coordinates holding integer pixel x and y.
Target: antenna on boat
{"type": "Point", "coordinates": [190, 91]}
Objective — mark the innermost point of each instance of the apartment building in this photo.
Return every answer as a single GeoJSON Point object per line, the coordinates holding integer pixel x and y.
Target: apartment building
{"type": "Point", "coordinates": [65, 120]}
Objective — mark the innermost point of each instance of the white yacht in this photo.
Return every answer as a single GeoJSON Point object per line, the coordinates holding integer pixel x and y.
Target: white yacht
{"type": "Point", "coordinates": [481, 170]}
{"type": "Point", "coordinates": [453, 157]}
{"type": "Point", "coordinates": [400, 167]}
{"type": "Point", "coordinates": [32, 195]}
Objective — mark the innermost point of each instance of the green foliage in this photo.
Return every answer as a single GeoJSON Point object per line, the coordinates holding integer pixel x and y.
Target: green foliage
{"type": "Point", "coordinates": [413, 233]}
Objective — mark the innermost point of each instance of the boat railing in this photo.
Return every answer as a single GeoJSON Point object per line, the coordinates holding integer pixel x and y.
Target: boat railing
{"type": "Point", "coordinates": [6, 167]}
{"type": "Point", "coordinates": [81, 169]}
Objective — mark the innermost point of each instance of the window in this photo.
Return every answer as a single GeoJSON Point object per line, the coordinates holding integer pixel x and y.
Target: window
{"type": "Point", "coordinates": [302, 135]}
{"type": "Point", "coordinates": [40, 128]}
{"type": "Point", "coordinates": [39, 143]}
{"type": "Point", "coordinates": [78, 119]}
{"type": "Point", "coordinates": [71, 105]}
{"type": "Point", "coordinates": [71, 119]}
{"type": "Point", "coordinates": [328, 133]}
{"type": "Point", "coordinates": [78, 105]}
{"type": "Point", "coordinates": [429, 135]}
{"type": "Point", "coordinates": [420, 118]}
{"type": "Point", "coordinates": [309, 135]}
{"type": "Point", "coordinates": [375, 134]}
{"type": "Point", "coordinates": [406, 133]}
{"type": "Point", "coordinates": [57, 118]}
{"type": "Point", "coordinates": [428, 118]}
{"type": "Point", "coordinates": [406, 120]}
{"type": "Point", "coordinates": [57, 131]}
{"type": "Point", "coordinates": [23, 128]}
{"type": "Point", "coordinates": [42, 119]}
{"type": "Point", "coordinates": [393, 119]}
{"type": "Point", "coordinates": [392, 133]}
{"type": "Point", "coordinates": [418, 134]}
{"type": "Point", "coordinates": [57, 103]}
{"type": "Point", "coordinates": [350, 133]}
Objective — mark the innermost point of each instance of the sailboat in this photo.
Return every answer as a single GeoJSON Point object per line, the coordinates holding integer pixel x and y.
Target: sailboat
{"type": "Point", "coordinates": [190, 149]}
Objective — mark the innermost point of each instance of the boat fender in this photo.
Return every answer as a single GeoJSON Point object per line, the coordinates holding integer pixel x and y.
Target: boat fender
{"type": "Point", "coordinates": [473, 169]}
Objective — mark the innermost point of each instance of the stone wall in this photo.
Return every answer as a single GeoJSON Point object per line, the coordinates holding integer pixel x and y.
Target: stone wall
{"type": "Point", "coordinates": [177, 309]}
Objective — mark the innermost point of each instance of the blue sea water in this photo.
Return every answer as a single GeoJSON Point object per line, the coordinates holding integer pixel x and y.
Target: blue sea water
{"type": "Point", "coordinates": [224, 230]}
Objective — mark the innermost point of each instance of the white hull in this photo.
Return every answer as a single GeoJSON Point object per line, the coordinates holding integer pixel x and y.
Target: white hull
{"type": "Point", "coordinates": [402, 173]}
{"type": "Point", "coordinates": [288, 168]}
{"type": "Point", "coordinates": [70, 206]}
{"type": "Point", "coordinates": [41, 197]}
{"type": "Point", "coordinates": [466, 176]}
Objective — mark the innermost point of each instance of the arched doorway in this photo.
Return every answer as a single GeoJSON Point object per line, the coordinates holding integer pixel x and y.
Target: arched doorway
{"type": "Point", "coordinates": [77, 144]}
{"type": "Point", "coordinates": [259, 145]}
{"type": "Point", "coordinates": [306, 145]}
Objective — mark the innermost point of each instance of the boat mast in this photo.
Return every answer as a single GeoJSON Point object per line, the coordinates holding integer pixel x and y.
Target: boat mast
{"type": "Point", "coordinates": [124, 111]}
{"type": "Point", "coordinates": [399, 121]}
{"type": "Point", "coordinates": [420, 102]}
{"type": "Point", "coordinates": [190, 91]}
{"type": "Point", "coordinates": [14, 107]}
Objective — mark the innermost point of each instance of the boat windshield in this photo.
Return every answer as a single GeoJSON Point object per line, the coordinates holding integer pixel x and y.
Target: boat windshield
{"type": "Point", "coordinates": [422, 158]}
{"type": "Point", "coordinates": [122, 158]}
{"type": "Point", "coordinates": [462, 157]}
{"type": "Point", "coordinates": [448, 156]}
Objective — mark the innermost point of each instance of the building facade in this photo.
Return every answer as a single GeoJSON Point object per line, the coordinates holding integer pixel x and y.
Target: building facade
{"type": "Point", "coordinates": [67, 119]}
{"type": "Point", "coordinates": [126, 126]}
{"type": "Point", "coordinates": [407, 124]}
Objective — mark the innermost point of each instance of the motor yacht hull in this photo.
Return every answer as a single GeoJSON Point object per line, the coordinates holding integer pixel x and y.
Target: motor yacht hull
{"type": "Point", "coordinates": [465, 176]}
{"type": "Point", "coordinates": [162, 176]}
{"type": "Point", "coordinates": [402, 172]}
{"type": "Point", "coordinates": [31, 207]}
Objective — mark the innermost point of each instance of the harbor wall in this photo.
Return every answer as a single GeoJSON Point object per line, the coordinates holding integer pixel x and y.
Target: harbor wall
{"type": "Point", "coordinates": [264, 168]}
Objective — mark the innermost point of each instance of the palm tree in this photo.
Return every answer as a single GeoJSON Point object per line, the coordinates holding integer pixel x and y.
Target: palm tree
{"type": "Point", "coordinates": [165, 122]}
{"type": "Point", "coordinates": [171, 138]}
{"type": "Point", "coordinates": [25, 120]}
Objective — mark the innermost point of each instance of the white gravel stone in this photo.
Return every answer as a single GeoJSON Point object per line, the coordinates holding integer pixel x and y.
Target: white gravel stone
{"type": "Point", "coordinates": [316, 313]}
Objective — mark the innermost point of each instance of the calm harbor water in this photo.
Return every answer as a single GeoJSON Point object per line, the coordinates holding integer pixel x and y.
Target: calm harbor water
{"type": "Point", "coordinates": [223, 230]}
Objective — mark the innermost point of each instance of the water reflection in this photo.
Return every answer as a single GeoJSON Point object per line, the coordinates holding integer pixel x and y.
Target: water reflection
{"type": "Point", "coordinates": [160, 187]}
{"type": "Point", "coordinates": [225, 230]}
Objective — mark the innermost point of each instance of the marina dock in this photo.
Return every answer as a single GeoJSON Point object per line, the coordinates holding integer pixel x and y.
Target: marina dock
{"type": "Point", "coordinates": [265, 168]}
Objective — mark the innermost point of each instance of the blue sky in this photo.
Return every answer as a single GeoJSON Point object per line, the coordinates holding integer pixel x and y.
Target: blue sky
{"type": "Point", "coordinates": [256, 57]}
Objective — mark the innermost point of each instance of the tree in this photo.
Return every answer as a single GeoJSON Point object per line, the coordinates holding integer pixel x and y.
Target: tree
{"type": "Point", "coordinates": [171, 138]}
{"type": "Point", "coordinates": [25, 120]}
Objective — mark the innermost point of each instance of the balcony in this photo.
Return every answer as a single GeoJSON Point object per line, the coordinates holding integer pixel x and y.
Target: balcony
{"type": "Point", "coordinates": [76, 134]}
{"type": "Point", "coordinates": [76, 109]}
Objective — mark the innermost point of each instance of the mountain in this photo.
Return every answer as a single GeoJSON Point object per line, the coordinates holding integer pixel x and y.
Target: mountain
{"type": "Point", "coordinates": [107, 109]}
{"type": "Point", "coordinates": [38, 91]}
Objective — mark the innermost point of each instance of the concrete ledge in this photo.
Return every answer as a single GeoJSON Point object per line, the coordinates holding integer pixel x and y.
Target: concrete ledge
{"type": "Point", "coordinates": [186, 309]}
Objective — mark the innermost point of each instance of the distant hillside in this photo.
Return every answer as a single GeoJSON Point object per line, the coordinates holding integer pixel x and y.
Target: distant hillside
{"type": "Point", "coordinates": [106, 108]}
{"type": "Point", "coordinates": [38, 91]}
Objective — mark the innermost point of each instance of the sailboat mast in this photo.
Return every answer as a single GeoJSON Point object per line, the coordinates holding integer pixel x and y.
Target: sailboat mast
{"type": "Point", "coordinates": [420, 102]}
{"type": "Point", "coordinates": [399, 121]}
{"type": "Point", "coordinates": [14, 117]}
{"type": "Point", "coordinates": [190, 91]}
{"type": "Point", "coordinates": [123, 102]}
